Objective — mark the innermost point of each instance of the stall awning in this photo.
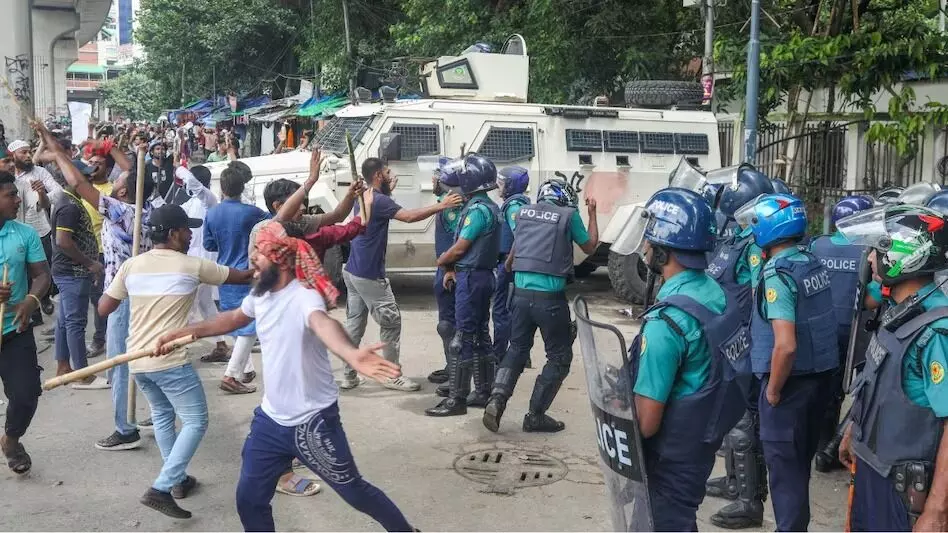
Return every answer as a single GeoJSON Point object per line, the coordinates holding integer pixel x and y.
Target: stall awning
{"type": "Point", "coordinates": [84, 68]}
{"type": "Point", "coordinates": [325, 106]}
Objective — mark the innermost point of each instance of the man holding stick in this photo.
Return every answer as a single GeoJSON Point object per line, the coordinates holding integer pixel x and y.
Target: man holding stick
{"type": "Point", "coordinates": [24, 265]}
{"type": "Point", "coordinates": [160, 286]}
{"type": "Point", "coordinates": [299, 415]}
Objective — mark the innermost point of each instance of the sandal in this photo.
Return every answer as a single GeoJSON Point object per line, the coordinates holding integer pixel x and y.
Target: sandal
{"type": "Point", "coordinates": [216, 356]}
{"type": "Point", "coordinates": [298, 486]}
{"type": "Point", "coordinates": [236, 387]}
{"type": "Point", "coordinates": [248, 377]}
{"type": "Point", "coordinates": [19, 461]}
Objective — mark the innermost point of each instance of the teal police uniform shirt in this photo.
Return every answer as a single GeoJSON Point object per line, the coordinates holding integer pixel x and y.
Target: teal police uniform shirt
{"type": "Point", "coordinates": [544, 282]}
{"type": "Point", "coordinates": [510, 215]}
{"type": "Point", "coordinates": [780, 292]}
{"type": "Point", "coordinates": [477, 221]}
{"type": "Point", "coordinates": [450, 216]}
{"type": "Point", "coordinates": [19, 246]}
{"type": "Point", "coordinates": [926, 361]}
{"type": "Point", "coordinates": [751, 261]}
{"type": "Point", "coordinates": [672, 366]}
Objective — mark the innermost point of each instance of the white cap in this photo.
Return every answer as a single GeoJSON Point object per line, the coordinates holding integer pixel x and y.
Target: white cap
{"type": "Point", "coordinates": [16, 145]}
{"type": "Point", "coordinates": [189, 125]}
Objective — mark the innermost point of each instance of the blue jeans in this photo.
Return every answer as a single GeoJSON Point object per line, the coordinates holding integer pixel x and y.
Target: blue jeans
{"type": "Point", "coordinates": [321, 445]}
{"type": "Point", "coordinates": [96, 292]}
{"type": "Point", "coordinates": [176, 392]}
{"type": "Point", "coordinates": [71, 319]}
{"type": "Point", "coordinates": [116, 336]}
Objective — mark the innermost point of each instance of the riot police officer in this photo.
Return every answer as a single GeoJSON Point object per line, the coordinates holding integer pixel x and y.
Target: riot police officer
{"type": "Point", "coordinates": [842, 260]}
{"type": "Point", "coordinates": [751, 183]}
{"type": "Point", "coordinates": [685, 390]}
{"type": "Point", "coordinates": [469, 265]}
{"type": "Point", "coordinates": [736, 266]}
{"type": "Point", "coordinates": [512, 182]}
{"type": "Point", "coordinates": [446, 223]}
{"type": "Point", "coordinates": [781, 187]}
{"type": "Point", "coordinates": [793, 351]}
{"type": "Point", "coordinates": [897, 436]}
{"type": "Point", "coordinates": [541, 259]}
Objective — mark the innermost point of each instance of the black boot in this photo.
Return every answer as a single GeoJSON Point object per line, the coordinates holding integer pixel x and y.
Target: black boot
{"type": "Point", "coordinates": [494, 411]}
{"type": "Point", "coordinates": [438, 376]}
{"type": "Point", "coordinates": [459, 374]}
{"type": "Point", "coordinates": [718, 487]}
{"type": "Point", "coordinates": [742, 514]}
{"type": "Point", "coordinates": [541, 423]}
{"type": "Point", "coordinates": [481, 392]}
{"type": "Point", "coordinates": [443, 390]}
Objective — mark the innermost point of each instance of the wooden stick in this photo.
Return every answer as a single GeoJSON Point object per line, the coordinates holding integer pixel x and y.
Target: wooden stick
{"type": "Point", "coordinates": [82, 373]}
{"type": "Point", "coordinates": [852, 492]}
{"type": "Point", "coordinates": [355, 175]}
{"type": "Point", "coordinates": [136, 244]}
{"type": "Point", "coordinates": [3, 306]}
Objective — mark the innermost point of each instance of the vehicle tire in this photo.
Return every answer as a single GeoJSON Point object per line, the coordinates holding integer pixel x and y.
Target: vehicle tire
{"type": "Point", "coordinates": [332, 263]}
{"type": "Point", "coordinates": [584, 269]}
{"type": "Point", "coordinates": [663, 93]}
{"type": "Point", "coordinates": [628, 275]}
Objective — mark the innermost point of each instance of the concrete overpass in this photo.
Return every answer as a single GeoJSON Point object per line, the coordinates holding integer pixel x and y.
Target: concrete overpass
{"type": "Point", "coordinates": [39, 40]}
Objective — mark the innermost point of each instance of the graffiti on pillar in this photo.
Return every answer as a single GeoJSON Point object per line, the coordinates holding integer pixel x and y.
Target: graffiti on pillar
{"type": "Point", "coordinates": [18, 74]}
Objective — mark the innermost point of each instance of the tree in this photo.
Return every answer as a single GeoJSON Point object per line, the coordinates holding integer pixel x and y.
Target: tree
{"type": "Point", "coordinates": [133, 95]}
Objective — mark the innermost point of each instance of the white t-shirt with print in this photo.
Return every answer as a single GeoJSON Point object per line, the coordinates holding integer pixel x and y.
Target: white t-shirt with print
{"type": "Point", "coordinates": [297, 374]}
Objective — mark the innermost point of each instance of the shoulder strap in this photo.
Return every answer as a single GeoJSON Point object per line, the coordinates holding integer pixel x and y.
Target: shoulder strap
{"type": "Point", "coordinates": [692, 307]}
{"type": "Point", "coordinates": [922, 320]}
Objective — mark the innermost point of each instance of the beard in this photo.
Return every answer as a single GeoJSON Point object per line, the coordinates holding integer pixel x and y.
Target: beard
{"type": "Point", "coordinates": [386, 188]}
{"type": "Point", "coordinates": [25, 166]}
{"type": "Point", "coordinates": [267, 280]}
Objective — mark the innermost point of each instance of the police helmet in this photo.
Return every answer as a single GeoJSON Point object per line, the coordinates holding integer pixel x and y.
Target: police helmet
{"type": "Point", "coordinates": [889, 195]}
{"type": "Point", "coordinates": [939, 202]}
{"type": "Point", "coordinates": [776, 218]}
{"type": "Point", "coordinates": [512, 180]}
{"type": "Point", "coordinates": [557, 191]}
{"type": "Point", "coordinates": [470, 174]}
{"type": "Point", "coordinates": [751, 183]}
{"type": "Point", "coordinates": [681, 220]}
{"type": "Point", "coordinates": [780, 186]}
{"type": "Point", "coordinates": [918, 193]}
{"type": "Point", "coordinates": [909, 240]}
{"type": "Point", "coordinates": [849, 205]}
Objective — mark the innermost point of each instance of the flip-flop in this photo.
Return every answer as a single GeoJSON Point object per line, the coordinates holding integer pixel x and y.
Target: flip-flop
{"type": "Point", "coordinates": [19, 461]}
{"type": "Point", "coordinates": [300, 486]}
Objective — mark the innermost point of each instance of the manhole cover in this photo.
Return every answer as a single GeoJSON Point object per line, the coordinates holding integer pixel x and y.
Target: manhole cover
{"type": "Point", "coordinates": [507, 469]}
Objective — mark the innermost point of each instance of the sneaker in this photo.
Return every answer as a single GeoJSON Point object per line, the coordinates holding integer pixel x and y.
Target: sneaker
{"type": "Point", "coordinates": [164, 503]}
{"type": "Point", "coordinates": [117, 441]}
{"type": "Point", "coordinates": [146, 425]}
{"type": "Point", "coordinates": [181, 490]}
{"type": "Point", "coordinates": [95, 350]}
{"type": "Point", "coordinates": [401, 384]}
{"type": "Point", "coordinates": [98, 383]}
{"type": "Point", "coordinates": [351, 382]}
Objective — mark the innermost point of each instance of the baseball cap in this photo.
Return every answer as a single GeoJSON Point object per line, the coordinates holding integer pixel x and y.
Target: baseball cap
{"type": "Point", "coordinates": [171, 216]}
{"type": "Point", "coordinates": [16, 145]}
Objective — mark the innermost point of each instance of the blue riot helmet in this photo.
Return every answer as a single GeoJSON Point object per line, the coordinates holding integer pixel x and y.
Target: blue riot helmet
{"type": "Point", "coordinates": [512, 180]}
{"type": "Point", "coordinates": [676, 221]}
{"type": "Point", "coordinates": [470, 174]}
{"type": "Point", "coordinates": [939, 202]}
{"type": "Point", "coordinates": [849, 205]}
{"type": "Point", "coordinates": [780, 186]}
{"type": "Point", "coordinates": [918, 193]}
{"type": "Point", "coordinates": [751, 183]}
{"type": "Point", "coordinates": [774, 218]}
{"type": "Point", "coordinates": [558, 192]}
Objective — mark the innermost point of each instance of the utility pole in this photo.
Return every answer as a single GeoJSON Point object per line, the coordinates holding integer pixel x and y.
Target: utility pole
{"type": "Point", "coordinates": [182, 83]}
{"type": "Point", "coordinates": [753, 85]}
{"type": "Point", "coordinates": [214, 94]}
{"type": "Point", "coordinates": [707, 64]}
{"type": "Point", "coordinates": [345, 19]}
{"type": "Point", "coordinates": [941, 15]}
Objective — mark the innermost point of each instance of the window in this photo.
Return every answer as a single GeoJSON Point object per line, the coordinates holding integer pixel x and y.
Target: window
{"type": "Point", "coordinates": [457, 75]}
{"type": "Point", "coordinates": [418, 139]}
{"type": "Point", "coordinates": [657, 143]}
{"type": "Point", "coordinates": [691, 143]}
{"type": "Point", "coordinates": [621, 141]}
{"type": "Point", "coordinates": [584, 140]}
{"type": "Point", "coordinates": [332, 137]}
{"type": "Point", "coordinates": [506, 145]}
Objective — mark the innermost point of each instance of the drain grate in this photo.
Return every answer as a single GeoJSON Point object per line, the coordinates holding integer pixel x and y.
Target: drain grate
{"type": "Point", "coordinates": [507, 469]}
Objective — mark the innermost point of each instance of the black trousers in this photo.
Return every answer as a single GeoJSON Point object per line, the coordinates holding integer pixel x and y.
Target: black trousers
{"type": "Point", "coordinates": [20, 375]}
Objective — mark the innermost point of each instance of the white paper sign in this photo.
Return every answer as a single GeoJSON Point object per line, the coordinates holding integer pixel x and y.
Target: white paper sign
{"type": "Point", "coordinates": [80, 114]}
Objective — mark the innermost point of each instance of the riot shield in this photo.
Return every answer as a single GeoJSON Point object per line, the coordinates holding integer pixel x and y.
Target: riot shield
{"type": "Point", "coordinates": [859, 333]}
{"type": "Point", "coordinates": [617, 427]}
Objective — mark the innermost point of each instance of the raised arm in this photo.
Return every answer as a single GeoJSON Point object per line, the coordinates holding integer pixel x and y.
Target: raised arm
{"type": "Point", "coordinates": [421, 213]}
{"type": "Point", "coordinates": [219, 325]}
{"type": "Point", "coordinates": [365, 360]}
{"type": "Point", "coordinates": [73, 177]}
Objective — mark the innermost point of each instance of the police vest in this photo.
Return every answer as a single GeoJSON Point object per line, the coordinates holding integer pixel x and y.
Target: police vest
{"type": "Point", "coordinates": [544, 241]}
{"type": "Point", "coordinates": [817, 347]}
{"type": "Point", "coordinates": [444, 238]}
{"type": "Point", "coordinates": [707, 415]}
{"type": "Point", "coordinates": [888, 428]}
{"type": "Point", "coordinates": [723, 268]}
{"type": "Point", "coordinates": [482, 255]}
{"type": "Point", "coordinates": [842, 263]}
{"type": "Point", "coordinates": [506, 234]}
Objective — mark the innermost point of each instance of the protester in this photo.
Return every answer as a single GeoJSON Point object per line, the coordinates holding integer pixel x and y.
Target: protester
{"type": "Point", "coordinates": [220, 154]}
{"type": "Point", "coordinates": [300, 402]}
{"type": "Point", "coordinates": [160, 286]}
{"type": "Point", "coordinates": [160, 169]}
{"type": "Point", "coordinates": [19, 370]}
{"type": "Point", "coordinates": [369, 291]}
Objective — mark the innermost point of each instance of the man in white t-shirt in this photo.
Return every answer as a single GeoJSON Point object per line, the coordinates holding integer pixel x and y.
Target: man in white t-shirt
{"type": "Point", "coordinates": [299, 415]}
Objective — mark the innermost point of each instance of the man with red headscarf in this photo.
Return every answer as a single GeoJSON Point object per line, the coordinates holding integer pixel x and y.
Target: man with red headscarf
{"type": "Point", "coordinates": [299, 414]}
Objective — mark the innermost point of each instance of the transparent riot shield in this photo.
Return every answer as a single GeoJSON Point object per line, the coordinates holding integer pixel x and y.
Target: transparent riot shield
{"type": "Point", "coordinates": [616, 426]}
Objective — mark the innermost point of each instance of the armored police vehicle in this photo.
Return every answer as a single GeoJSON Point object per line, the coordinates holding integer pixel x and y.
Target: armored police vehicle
{"type": "Point", "coordinates": [617, 155]}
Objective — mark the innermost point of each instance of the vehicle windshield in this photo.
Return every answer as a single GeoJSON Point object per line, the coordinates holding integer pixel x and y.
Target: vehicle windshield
{"type": "Point", "coordinates": [332, 136]}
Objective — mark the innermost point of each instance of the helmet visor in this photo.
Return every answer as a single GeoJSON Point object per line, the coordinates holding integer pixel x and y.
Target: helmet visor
{"type": "Point", "coordinates": [746, 215]}
{"type": "Point", "coordinates": [631, 239]}
{"type": "Point", "coordinates": [686, 176]}
{"type": "Point", "coordinates": [429, 164]}
{"type": "Point", "coordinates": [724, 176]}
{"type": "Point", "coordinates": [866, 228]}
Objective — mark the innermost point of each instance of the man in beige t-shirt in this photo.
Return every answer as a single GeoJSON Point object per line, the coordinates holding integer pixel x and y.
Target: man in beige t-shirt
{"type": "Point", "coordinates": [161, 286]}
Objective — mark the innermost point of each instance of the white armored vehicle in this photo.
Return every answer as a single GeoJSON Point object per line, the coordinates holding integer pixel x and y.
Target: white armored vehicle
{"type": "Point", "coordinates": [617, 155]}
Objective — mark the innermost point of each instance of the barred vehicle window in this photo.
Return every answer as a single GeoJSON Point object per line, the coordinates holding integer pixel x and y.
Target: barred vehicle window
{"type": "Point", "coordinates": [418, 139]}
{"type": "Point", "coordinates": [507, 145]}
{"type": "Point", "coordinates": [332, 137]}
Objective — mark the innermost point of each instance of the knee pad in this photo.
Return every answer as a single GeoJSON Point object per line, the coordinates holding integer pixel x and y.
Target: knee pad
{"type": "Point", "coordinates": [446, 330]}
{"type": "Point", "coordinates": [456, 344]}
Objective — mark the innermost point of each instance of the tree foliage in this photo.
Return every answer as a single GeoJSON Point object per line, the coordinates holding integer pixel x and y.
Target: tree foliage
{"type": "Point", "coordinates": [132, 95]}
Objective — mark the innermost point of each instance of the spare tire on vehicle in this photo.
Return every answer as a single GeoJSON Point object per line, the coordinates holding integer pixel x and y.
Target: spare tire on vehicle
{"type": "Point", "coordinates": [628, 275]}
{"type": "Point", "coordinates": [663, 93]}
